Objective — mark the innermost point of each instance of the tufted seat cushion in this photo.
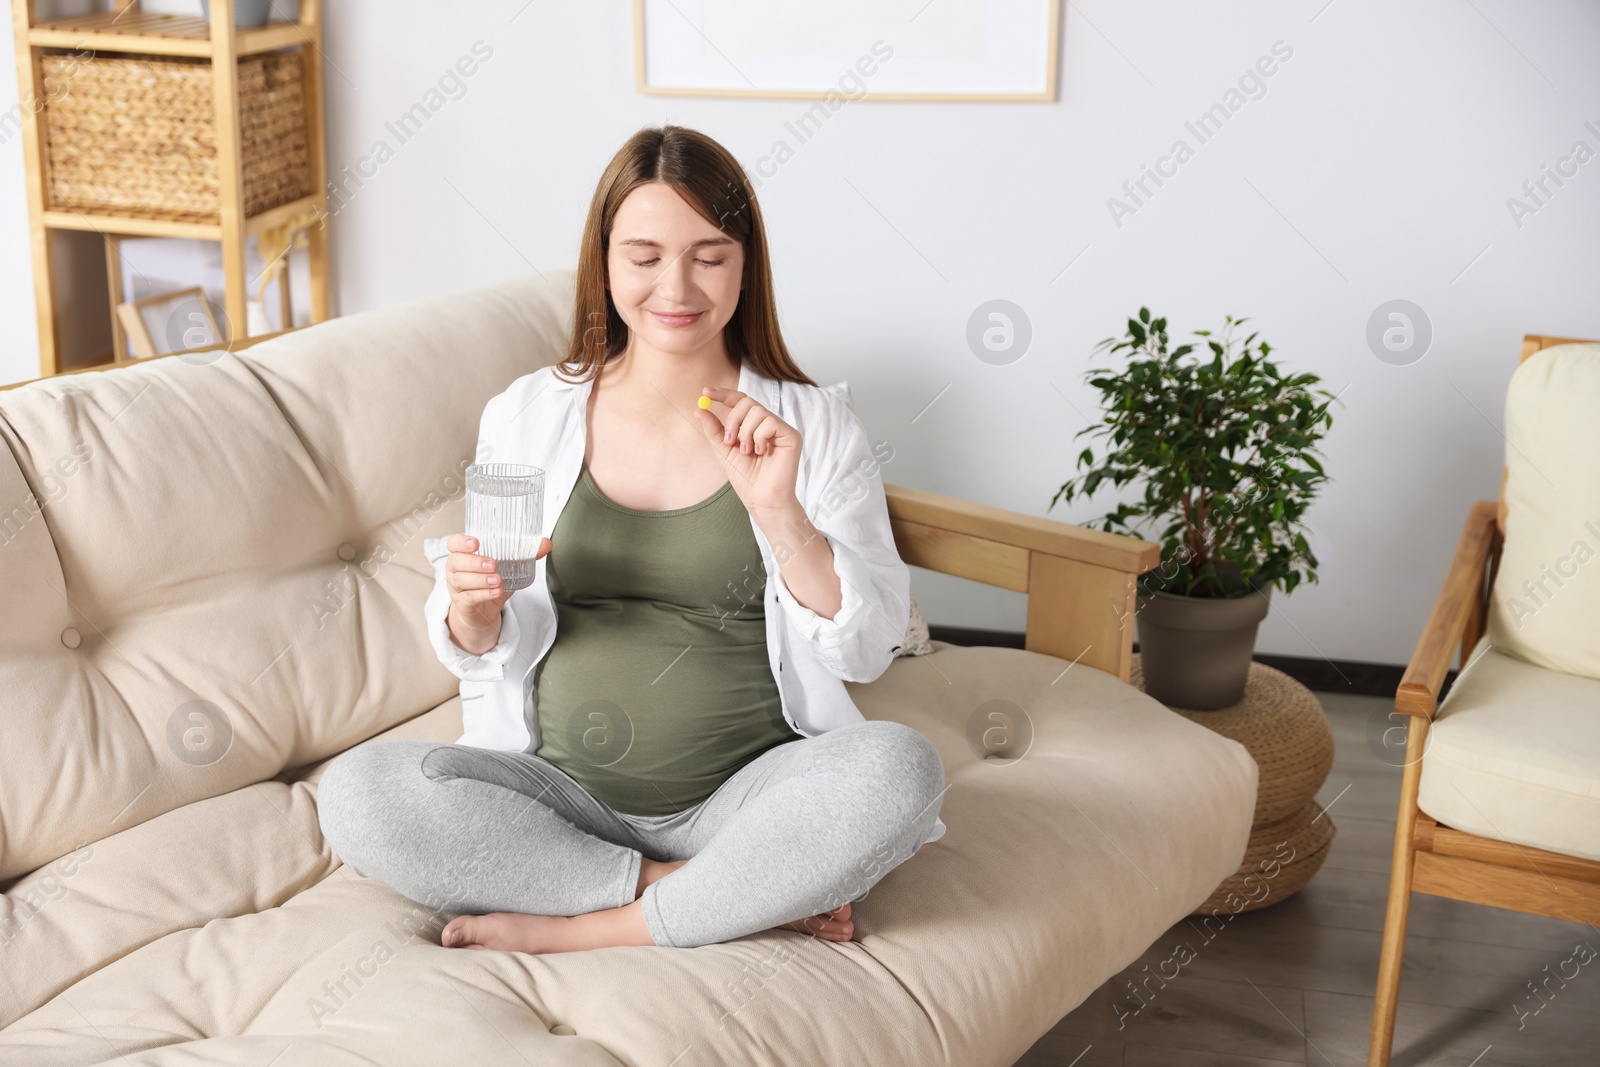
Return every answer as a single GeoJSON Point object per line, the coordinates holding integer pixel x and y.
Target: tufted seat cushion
{"type": "Point", "coordinates": [211, 583]}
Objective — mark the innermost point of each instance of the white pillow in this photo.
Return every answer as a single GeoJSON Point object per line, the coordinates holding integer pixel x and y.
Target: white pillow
{"type": "Point", "coordinates": [1545, 605]}
{"type": "Point", "coordinates": [916, 642]}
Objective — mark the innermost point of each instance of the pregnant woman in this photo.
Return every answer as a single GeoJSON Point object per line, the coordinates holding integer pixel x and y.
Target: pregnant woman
{"type": "Point", "coordinates": [659, 746]}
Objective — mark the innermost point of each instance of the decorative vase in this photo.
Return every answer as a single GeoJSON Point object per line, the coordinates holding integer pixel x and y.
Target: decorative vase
{"type": "Point", "coordinates": [245, 12]}
{"type": "Point", "coordinates": [1196, 650]}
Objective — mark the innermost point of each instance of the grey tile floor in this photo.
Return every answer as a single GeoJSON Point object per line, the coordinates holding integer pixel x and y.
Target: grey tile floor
{"type": "Point", "coordinates": [1293, 983]}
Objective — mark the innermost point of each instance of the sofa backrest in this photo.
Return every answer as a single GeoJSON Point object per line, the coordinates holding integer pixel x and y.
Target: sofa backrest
{"type": "Point", "coordinates": [1545, 603]}
{"type": "Point", "coordinates": [211, 566]}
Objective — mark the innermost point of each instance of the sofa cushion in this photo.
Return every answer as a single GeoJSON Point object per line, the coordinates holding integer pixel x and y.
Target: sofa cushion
{"type": "Point", "coordinates": [1514, 755]}
{"type": "Point", "coordinates": [1106, 820]}
{"type": "Point", "coordinates": [231, 855]}
{"type": "Point", "coordinates": [1545, 605]}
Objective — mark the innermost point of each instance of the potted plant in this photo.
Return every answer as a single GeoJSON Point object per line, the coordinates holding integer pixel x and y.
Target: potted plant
{"type": "Point", "coordinates": [1226, 450]}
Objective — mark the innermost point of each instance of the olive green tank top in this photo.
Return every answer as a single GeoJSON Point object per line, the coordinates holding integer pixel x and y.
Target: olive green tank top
{"type": "Point", "coordinates": [658, 686]}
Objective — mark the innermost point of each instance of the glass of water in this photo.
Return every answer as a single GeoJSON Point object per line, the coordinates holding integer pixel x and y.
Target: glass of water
{"type": "Point", "coordinates": [505, 512]}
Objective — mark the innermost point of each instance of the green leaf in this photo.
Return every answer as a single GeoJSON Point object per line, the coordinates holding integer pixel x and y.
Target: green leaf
{"type": "Point", "coordinates": [1220, 456]}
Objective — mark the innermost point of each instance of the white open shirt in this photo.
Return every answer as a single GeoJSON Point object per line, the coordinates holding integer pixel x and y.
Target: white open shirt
{"type": "Point", "coordinates": [539, 420]}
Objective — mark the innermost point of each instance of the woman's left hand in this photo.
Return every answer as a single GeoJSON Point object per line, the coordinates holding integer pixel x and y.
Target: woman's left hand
{"type": "Point", "coordinates": [760, 451]}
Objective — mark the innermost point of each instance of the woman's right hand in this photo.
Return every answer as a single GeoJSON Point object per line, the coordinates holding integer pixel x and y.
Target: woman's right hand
{"type": "Point", "coordinates": [475, 594]}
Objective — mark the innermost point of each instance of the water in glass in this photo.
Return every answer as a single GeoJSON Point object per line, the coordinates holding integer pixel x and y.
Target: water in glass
{"type": "Point", "coordinates": [505, 513]}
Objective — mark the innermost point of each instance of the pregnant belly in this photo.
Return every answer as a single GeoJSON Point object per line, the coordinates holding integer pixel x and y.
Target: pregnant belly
{"type": "Point", "coordinates": [650, 711]}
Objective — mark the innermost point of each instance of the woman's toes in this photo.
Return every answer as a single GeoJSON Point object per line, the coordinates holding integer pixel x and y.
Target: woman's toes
{"type": "Point", "coordinates": [457, 932]}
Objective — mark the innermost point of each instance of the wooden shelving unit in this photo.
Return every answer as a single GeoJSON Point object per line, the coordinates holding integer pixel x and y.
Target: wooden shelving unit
{"type": "Point", "coordinates": [127, 29]}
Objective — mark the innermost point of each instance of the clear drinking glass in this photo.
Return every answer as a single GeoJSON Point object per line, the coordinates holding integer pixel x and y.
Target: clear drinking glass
{"type": "Point", "coordinates": [505, 512]}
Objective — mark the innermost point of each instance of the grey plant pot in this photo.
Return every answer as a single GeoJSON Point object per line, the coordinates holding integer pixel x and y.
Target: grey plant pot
{"type": "Point", "coordinates": [1195, 651]}
{"type": "Point", "coordinates": [245, 12]}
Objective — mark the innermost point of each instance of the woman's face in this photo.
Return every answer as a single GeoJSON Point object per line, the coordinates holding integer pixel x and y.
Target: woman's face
{"type": "Point", "coordinates": [674, 277]}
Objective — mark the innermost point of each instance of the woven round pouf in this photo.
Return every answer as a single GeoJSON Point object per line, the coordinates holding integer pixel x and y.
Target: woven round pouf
{"type": "Point", "coordinates": [1281, 724]}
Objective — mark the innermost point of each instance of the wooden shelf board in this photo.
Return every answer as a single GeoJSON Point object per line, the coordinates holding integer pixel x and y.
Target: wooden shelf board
{"type": "Point", "coordinates": [162, 225]}
{"type": "Point", "coordinates": [159, 34]}
{"type": "Point", "coordinates": [131, 225]}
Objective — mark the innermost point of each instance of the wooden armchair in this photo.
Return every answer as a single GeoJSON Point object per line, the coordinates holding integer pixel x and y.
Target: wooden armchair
{"type": "Point", "coordinates": [1437, 859]}
{"type": "Point", "coordinates": [1080, 582]}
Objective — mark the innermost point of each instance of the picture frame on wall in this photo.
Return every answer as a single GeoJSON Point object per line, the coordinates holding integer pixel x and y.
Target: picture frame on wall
{"type": "Point", "coordinates": [915, 50]}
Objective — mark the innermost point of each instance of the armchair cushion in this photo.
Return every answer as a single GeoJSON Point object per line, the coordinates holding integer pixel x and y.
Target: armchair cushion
{"type": "Point", "coordinates": [1514, 755]}
{"type": "Point", "coordinates": [1545, 605]}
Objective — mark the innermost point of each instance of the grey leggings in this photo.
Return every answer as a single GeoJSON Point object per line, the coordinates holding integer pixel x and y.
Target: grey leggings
{"type": "Point", "coordinates": [800, 830]}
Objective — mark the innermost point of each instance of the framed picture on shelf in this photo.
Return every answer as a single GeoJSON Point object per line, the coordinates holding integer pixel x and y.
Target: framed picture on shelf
{"type": "Point", "coordinates": [840, 50]}
{"type": "Point", "coordinates": [169, 322]}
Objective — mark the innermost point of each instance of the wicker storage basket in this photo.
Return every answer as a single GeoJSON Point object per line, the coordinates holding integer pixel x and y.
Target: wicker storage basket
{"type": "Point", "coordinates": [137, 135]}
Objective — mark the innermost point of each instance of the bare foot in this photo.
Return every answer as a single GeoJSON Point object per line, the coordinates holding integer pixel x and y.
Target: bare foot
{"type": "Point", "coordinates": [513, 932]}
{"type": "Point", "coordinates": [509, 932]}
{"type": "Point", "coordinates": [506, 931]}
{"type": "Point", "coordinates": [835, 925]}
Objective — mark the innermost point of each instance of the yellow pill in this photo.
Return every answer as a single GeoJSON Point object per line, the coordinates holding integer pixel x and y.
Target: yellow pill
{"type": "Point", "coordinates": [705, 403]}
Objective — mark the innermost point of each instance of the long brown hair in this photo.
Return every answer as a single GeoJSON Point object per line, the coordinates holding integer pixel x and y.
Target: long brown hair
{"type": "Point", "coordinates": [707, 177]}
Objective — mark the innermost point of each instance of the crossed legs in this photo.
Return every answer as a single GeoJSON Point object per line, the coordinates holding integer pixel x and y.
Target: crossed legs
{"type": "Point", "coordinates": [532, 862]}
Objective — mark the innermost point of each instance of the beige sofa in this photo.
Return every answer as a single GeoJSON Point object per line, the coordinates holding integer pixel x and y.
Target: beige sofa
{"type": "Point", "coordinates": [211, 583]}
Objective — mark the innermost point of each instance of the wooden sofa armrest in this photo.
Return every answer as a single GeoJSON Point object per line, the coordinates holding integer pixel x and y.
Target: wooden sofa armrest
{"type": "Point", "coordinates": [1080, 582]}
{"type": "Point", "coordinates": [1458, 617]}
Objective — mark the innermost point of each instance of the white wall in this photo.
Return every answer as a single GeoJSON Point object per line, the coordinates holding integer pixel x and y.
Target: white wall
{"type": "Point", "coordinates": [1377, 165]}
